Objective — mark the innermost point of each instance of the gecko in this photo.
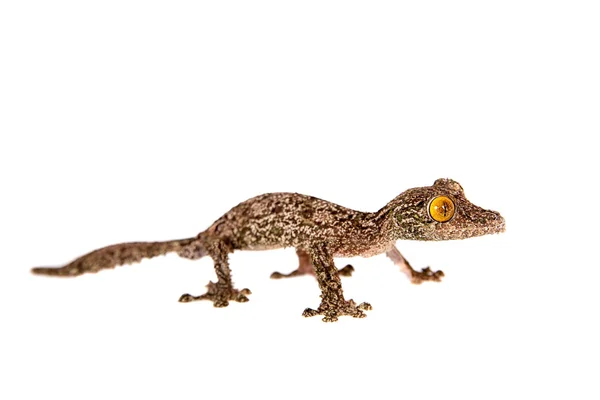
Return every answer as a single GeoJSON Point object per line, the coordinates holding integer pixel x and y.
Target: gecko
{"type": "Point", "coordinates": [319, 231]}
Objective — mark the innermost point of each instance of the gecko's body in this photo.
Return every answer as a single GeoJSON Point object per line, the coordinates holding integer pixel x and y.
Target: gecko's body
{"type": "Point", "coordinates": [320, 231]}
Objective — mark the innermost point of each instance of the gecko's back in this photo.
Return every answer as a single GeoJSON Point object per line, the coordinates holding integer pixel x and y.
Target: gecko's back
{"type": "Point", "coordinates": [275, 220]}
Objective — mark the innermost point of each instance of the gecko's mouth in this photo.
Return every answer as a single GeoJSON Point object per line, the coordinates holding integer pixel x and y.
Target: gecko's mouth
{"type": "Point", "coordinates": [477, 222]}
{"type": "Point", "coordinates": [484, 223]}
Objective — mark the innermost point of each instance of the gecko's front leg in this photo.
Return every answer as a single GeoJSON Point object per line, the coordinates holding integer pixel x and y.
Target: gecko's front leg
{"type": "Point", "coordinates": [305, 267]}
{"type": "Point", "coordinates": [221, 292]}
{"type": "Point", "coordinates": [416, 277]}
{"type": "Point", "coordinates": [333, 303]}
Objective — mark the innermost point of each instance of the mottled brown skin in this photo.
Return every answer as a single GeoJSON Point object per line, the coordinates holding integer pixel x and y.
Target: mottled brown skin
{"type": "Point", "coordinates": [319, 230]}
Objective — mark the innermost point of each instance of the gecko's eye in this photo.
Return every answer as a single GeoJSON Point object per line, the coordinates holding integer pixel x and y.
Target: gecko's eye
{"type": "Point", "coordinates": [441, 209]}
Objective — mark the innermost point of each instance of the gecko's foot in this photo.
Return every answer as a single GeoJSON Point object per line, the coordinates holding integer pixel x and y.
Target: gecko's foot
{"type": "Point", "coordinates": [332, 310]}
{"type": "Point", "coordinates": [297, 272]}
{"type": "Point", "coordinates": [426, 275]}
{"type": "Point", "coordinates": [220, 295]}
{"type": "Point", "coordinates": [346, 271]}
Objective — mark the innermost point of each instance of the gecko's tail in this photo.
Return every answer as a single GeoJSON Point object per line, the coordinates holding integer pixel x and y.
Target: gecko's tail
{"type": "Point", "coordinates": [115, 255]}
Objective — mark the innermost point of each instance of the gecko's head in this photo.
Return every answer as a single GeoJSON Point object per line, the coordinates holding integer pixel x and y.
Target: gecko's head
{"type": "Point", "coordinates": [442, 212]}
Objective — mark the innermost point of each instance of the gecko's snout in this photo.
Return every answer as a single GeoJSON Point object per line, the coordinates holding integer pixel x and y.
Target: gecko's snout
{"type": "Point", "coordinates": [493, 222]}
{"type": "Point", "coordinates": [499, 223]}
{"type": "Point", "coordinates": [479, 222]}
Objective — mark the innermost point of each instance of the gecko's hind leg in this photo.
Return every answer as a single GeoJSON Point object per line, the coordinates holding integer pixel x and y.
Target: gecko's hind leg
{"type": "Point", "coordinates": [305, 267]}
{"type": "Point", "coordinates": [416, 277]}
{"type": "Point", "coordinates": [333, 303]}
{"type": "Point", "coordinates": [222, 291]}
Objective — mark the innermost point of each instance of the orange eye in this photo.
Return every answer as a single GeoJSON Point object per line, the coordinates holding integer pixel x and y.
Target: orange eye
{"type": "Point", "coordinates": [441, 209]}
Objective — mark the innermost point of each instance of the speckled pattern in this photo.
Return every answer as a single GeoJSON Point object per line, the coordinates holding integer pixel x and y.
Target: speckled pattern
{"type": "Point", "coordinates": [319, 230]}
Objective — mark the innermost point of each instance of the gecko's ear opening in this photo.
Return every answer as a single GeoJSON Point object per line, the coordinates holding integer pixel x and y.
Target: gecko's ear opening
{"type": "Point", "coordinates": [450, 184]}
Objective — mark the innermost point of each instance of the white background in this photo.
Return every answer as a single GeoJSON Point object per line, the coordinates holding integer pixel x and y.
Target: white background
{"type": "Point", "coordinates": [126, 121]}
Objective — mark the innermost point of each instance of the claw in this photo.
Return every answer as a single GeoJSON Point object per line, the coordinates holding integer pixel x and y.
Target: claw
{"type": "Point", "coordinates": [186, 298]}
{"type": "Point", "coordinates": [219, 295]}
{"type": "Point", "coordinates": [279, 275]}
{"type": "Point", "coordinates": [330, 318]}
{"type": "Point", "coordinates": [346, 271]}
{"type": "Point", "coordinates": [426, 274]}
{"type": "Point", "coordinates": [309, 312]}
{"type": "Point", "coordinates": [331, 311]}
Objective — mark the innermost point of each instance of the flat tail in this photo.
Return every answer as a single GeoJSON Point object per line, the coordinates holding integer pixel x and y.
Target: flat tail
{"type": "Point", "coordinates": [55, 271]}
{"type": "Point", "coordinates": [113, 256]}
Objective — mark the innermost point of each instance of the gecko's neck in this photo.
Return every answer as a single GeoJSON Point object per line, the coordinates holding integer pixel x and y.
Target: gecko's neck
{"type": "Point", "coordinates": [367, 234]}
{"type": "Point", "coordinates": [380, 224]}
{"type": "Point", "coordinates": [388, 226]}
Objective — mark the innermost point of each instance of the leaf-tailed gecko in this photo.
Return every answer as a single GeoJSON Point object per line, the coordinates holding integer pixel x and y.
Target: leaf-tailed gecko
{"type": "Point", "coordinates": [319, 231]}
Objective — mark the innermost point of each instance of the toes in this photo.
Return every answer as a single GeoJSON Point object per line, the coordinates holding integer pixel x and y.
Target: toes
{"type": "Point", "coordinates": [346, 271]}
{"type": "Point", "coordinates": [277, 275]}
{"type": "Point", "coordinates": [331, 312]}
{"type": "Point", "coordinates": [220, 298]}
{"type": "Point", "coordinates": [241, 298]}
{"type": "Point", "coordinates": [186, 298]}
{"type": "Point", "coordinates": [220, 303]}
{"type": "Point", "coordinates": [434, 275]}
{"type": "Point", "coordinates": [241, 295]}
{"type": "Point", "coordinates": [309, 312]}
{"type": "Point", "coordinates": [330, 318]}
{"type": "Point", "coordinates": [426, 274]}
